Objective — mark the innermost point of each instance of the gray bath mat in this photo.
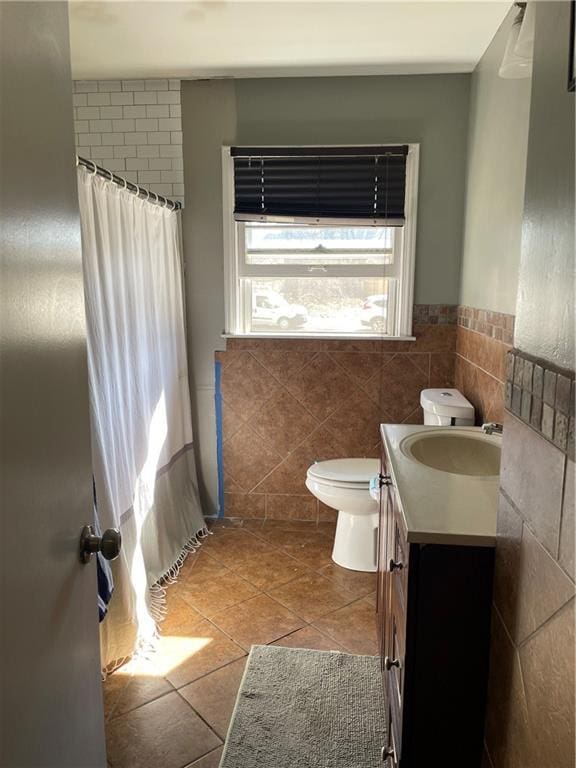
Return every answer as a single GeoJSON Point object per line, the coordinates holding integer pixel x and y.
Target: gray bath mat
{"type": "Point", "coordinates": [298, 708]}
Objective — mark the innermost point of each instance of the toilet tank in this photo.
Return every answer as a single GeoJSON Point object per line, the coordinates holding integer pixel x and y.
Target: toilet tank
{"type": "Point", "coordinates": [446, 407]}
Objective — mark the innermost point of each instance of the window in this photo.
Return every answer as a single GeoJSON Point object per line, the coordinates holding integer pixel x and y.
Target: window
{"type": "Point", "coordinates": [320, 244]}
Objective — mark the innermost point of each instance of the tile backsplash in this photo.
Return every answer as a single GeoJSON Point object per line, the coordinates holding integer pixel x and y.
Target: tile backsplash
{"type": "Point", "coordinates": [289, 402]}
{"type": "Point", "coordinates": [542, 396]}
{"type": "Point", "coordinates": [134, 128]}
{"type": "Point", "coordinates": [483, 339]}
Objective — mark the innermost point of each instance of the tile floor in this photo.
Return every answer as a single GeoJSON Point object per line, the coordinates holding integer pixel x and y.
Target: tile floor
{"type": "Point", "coordinates": [251, 582]}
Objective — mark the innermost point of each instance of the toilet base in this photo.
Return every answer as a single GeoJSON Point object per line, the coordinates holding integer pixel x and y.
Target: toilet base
{"type": "Point", "coordinates": [356, 541]}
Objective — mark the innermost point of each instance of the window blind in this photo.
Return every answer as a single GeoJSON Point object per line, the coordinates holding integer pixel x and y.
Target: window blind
{"type": "Point", "coordinates": [366, 183]}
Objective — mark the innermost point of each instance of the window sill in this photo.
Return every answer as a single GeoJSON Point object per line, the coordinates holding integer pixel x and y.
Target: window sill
{"type": "Point", "coordinates": [318, 337]}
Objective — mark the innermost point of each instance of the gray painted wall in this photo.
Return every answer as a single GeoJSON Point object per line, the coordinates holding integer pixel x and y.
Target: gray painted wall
{"type": "Point", "coordinates": [497, 149]}
{"type": "Point", "coordinates": [545, 309]}
{"type": "Point", "coordinates": [208, 123]}
{"type": "Point", "coordinates": [431, 109]}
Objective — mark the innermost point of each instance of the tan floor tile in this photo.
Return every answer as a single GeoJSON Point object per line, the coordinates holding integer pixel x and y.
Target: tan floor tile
{"type": "Point", "coordinates": [231, 548]}
{"type": "Point", "coordinates": [310, 547]}
{"type": "Point", "coordinates": [200, 567]}
{"type": "Point", "coordinates": [266, 570]}
{"type": "Point", "coordinates": [372, 599]}
{"type": "Point", "coordinates": [180, 617]}
{"type": "Point", "coordinates": [284, 534]}
{"type": "Point", "coordinates": [214, 696]}
{"type": "Point", "coordinates": [311, 596]}
{"type": "Point", "coordinates": [166, 732]}
{"type": "Point", "coordinates": [182, 659]}
{"type": "Point", "coordinates": [112, 689]}
{"type": "Point", "coordinates": [224, 524]}
{"type": "Point", "coordinates": [359, 583]}
{"type": "Point", "coordinates": [141, 689]}
{"type": "Point", "coordinates": [254, 526]}
{"type": "Point", "coordinates": [309, 637]}
{"type": "Point", "coordinates": [353, 626]}
{"type": "Point", "coordinates": [211, 760]}
{"type": "Point", "coordinates": [315, 553]}
{"type": "Point", "coordinates": [257, 621]}
{"type": "Point", "coordinates": [223, 591]}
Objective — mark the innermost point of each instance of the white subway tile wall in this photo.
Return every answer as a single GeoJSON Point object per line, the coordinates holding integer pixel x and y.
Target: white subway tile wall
{"type": "Point", "coordinates": [134, 128]}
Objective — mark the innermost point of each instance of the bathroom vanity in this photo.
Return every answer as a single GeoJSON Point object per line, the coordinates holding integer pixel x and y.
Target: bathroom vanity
{"type": "Point", "coordinates": [438, 504]}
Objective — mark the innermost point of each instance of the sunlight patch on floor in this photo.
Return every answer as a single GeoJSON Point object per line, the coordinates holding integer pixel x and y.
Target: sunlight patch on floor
{"type": "Point", "coordinates": [171, 653]}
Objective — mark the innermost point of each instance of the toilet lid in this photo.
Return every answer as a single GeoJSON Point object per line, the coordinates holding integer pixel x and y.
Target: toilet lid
{"type": "Point", "coordinates": [346, 470]}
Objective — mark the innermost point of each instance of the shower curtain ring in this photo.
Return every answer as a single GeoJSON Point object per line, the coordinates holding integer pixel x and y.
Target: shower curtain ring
{"type": "Point", "coordinates": [95, 171]}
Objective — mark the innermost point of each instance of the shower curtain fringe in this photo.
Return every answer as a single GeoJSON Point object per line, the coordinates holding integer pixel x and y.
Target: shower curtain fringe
{"type": "Point", "coordinates": [157, 605]}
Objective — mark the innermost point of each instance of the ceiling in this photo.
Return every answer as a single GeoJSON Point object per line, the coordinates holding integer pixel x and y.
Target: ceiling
{"type": "Point", "coordinates": [217, 38]}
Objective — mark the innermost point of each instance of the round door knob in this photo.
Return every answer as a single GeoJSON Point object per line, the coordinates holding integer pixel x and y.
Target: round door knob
{"type": "Point", "coordinates": [394, 566]}
{"type": "Point", "coordinates": [389, 663]}
{"type": "Point", "coordinates": [109, 544]}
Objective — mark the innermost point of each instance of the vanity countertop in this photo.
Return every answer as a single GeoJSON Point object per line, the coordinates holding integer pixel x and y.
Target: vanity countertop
{"type": "Point", "coordinates": [441, 507]}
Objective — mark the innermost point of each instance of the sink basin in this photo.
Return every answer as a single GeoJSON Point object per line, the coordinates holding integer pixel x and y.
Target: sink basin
{"type": "Point", "coordinates": [460, 453]}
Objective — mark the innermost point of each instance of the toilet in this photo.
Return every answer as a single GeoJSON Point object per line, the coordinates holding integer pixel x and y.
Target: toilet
{"type": "Point", "coordinates": [446, 408]}
{"type": "Point", "coordinates": [344, 484]}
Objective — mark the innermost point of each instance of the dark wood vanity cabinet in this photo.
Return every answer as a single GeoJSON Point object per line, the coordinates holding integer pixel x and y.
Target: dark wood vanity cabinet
{"type": "Point", "coordinates": [434, 606]}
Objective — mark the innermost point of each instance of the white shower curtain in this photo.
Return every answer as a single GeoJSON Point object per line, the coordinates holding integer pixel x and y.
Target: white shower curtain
{"type": "Point", "coordinates": [143, 463]}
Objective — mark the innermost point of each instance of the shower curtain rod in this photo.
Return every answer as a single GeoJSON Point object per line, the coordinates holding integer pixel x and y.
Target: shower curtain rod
{"type": "Point", "coordinates": [109, 176]}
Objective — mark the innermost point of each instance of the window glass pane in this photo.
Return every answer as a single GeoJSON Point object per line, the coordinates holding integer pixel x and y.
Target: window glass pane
{"type": "Point", "coordinates": [319, 305]}
{"type": "Point", "coordinates": [311, 244]}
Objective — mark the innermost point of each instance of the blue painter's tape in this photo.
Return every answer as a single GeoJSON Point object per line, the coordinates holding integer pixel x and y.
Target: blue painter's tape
{"type": "Point", "coordinates": [219, 454]}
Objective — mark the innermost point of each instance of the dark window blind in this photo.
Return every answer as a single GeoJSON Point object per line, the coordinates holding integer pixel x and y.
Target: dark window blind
{"type": "Point", "coordinates": [320, 182]}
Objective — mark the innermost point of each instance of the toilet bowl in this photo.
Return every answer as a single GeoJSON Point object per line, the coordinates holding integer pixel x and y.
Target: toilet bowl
{"type": "Point", "coordinates": [344, 484]}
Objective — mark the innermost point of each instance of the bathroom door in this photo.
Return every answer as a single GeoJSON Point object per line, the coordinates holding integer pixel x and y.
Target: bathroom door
{"type": "Point", "coordinates": [50, 688]}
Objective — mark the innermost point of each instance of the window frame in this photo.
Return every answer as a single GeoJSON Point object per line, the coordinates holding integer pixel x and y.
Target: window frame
{"type": "Point", "coordinates": [402, 269]}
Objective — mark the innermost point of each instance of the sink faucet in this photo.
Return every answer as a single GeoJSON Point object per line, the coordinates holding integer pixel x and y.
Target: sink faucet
{"type": "Point", "coordinates": [492, 428]}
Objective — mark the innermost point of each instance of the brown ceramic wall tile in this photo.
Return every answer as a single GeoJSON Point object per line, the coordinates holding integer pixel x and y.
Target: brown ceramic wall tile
{"type": "Point", "coordinates": [397, 387]}
{"type": "Point", "coordinates": [290, 475]}
{"type": "Point", "coordinates": [246, 385]}
{"type": "Point", "coordinates": [356, 425]}
{"type": "Point", "coordinates": [484, 392]}
{"type": "Point", "coordinates": [282, 363]}
{"type": "Point", "coordinates": [321, 386]}
{"type": "Point", "coordinates": [432, 338]}
{"type": "Point", "coordinates": [481, 372]}
{"type": "Point", "coordinates": [283, 422]}
{"type": "Point", "coordinates": [442, 369]}
{"type": "Point", "coordinates": [248, 458]}
{"type": "Point", "coordinates": [360, 366]}
{"type": "Point", "coordinates": [532, 475]}
{"type": "Point", "coordinates": [289, 402]}
{"type": "Point", "coordinates": [291, 507]}
{"type": "Point", "coordinates": [248, 505]}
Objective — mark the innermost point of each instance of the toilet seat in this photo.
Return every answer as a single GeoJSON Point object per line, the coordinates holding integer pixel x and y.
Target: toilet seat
{"type": "Point", "coordinates": [345, 473]}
